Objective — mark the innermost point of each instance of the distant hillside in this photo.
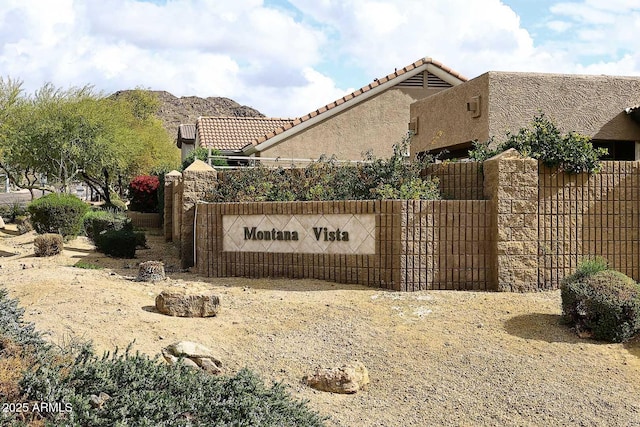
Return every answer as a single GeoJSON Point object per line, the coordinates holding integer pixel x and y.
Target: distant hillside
{"type": "Point", "coordinates": [174, 111]}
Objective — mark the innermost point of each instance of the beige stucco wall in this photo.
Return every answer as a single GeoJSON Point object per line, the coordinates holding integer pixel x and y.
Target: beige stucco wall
{"type": "Point", "coordinates": [377, 124]}
{"type": "Point", "coordinates": [443, 119]}
{"type": "Point", "coordinates": [591, 105]}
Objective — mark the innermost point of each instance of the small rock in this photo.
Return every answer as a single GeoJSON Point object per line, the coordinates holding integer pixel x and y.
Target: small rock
{"type": "Point", "coordinates": [183, 304]}
{"type": "Point", "coordinates": [194, 355]}
{"type": "Point", "coordinates": [347, 379]}
{"type": "Point", "coordinates": [151, 271]}
{"type": "Point", "coordinates": [98, 401]}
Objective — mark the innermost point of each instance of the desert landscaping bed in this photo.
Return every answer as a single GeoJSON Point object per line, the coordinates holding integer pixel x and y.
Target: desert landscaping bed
{"type": "Point", "coordinates": [434, 358]}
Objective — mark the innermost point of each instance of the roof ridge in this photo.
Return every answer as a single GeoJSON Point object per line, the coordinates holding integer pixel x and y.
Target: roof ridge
{"type": "Point", "coordinates": [246, 118]}
{"type": "Point", "coordinates": [376, 82]}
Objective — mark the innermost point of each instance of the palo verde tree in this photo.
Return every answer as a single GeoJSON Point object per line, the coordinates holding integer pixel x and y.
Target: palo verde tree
{"type": "Point", "coordinates": [73, 134]}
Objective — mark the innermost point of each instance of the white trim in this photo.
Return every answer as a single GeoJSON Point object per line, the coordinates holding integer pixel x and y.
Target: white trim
{"type": "Point", "coordinates": [252, 149]}
{"type": "Point", "coordinates": [442, 74]}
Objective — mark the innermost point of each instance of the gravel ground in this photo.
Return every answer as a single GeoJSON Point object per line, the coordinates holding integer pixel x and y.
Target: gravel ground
{"type": "Point", "coordinates": [434, 358]}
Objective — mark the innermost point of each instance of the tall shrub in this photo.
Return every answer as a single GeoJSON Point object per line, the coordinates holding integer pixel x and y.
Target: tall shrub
{"type": "Point", "coordinates": [58, 213]}
{"type": "Point", "coordinates": [542, 140]}
{"type": "Point", "coordinates": [143, 191]}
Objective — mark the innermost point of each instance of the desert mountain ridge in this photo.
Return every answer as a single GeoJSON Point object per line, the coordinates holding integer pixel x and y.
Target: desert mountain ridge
{"type": "Point", "coordinates": [175, 110]}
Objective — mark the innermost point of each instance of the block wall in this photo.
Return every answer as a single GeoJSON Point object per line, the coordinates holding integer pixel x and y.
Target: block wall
{"type": "Point", "coordinates": [381, 269]}
{"type": "Point", "coordinates": [458, 181]}
{"type": "Point", "coordinates": [445, 245]}
{"type": "Point", "coordinates": [589, 215]}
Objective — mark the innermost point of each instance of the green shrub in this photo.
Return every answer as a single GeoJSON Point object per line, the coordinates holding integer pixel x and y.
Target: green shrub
{"type": "Point", "coordinates": [146, 392]}
{"type": "Point", "coordinates": [13, 326]}
{"type": "Point", "coordinates": [117, 243]}
{"type": "Point", "coordinates": [48, 244]}
{"type": "Point", "coordinates": [202, 153]}
{"type": "Point", "coordinates": [95, 222]}
{"type": "Point", "coordinates": [143, 391]}
{"type": "Point", "coordinates": [605, 303]}
{"type": "Point", "coordinates": [571, 152]}
{"type": "Point", "coordinates": [58, 213]}
{"type": "Point", "coordinates": [10, 212]}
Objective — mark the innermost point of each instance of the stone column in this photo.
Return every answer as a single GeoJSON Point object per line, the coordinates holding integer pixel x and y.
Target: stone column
{"type": "Point", "coordinates": [511, 184]}
{"type": "Point", "coordinates": [197, 179]}
{"type": "Point", "coordinates": [170, 181]}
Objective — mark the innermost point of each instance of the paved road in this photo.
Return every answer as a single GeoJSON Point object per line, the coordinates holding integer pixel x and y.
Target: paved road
{"type": "Point", "coordinates": [22, 197]}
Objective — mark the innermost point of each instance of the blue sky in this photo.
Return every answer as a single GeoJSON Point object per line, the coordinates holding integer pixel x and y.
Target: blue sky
{"type": "Point", "coordinates": [288, 57]}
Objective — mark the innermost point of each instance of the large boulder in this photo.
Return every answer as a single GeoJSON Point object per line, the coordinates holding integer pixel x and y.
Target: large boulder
{"type": "Point", "coordinates": [181, 303]}
{"type": "Point", "coordinates": [194, 355]}
{"type": "Point", "coordinates": [347, 379]}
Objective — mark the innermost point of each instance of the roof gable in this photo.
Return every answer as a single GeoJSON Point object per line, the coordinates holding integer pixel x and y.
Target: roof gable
{"type": "Point", "coordinates": [437, 72]}
{"type": "Point", "coordinates": [233, 133]}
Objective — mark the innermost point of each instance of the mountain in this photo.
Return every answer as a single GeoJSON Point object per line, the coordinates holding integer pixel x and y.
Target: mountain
{"type": "Point", "coordinates": [174, 111]}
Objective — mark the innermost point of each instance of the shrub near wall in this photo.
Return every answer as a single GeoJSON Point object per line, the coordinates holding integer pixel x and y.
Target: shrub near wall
{"type": "Point", "coordinates": [58, 213]}
{"type": "Point", "coordinates": [601, 302]}
{"type": "Point", "coordinates": [327, 179]}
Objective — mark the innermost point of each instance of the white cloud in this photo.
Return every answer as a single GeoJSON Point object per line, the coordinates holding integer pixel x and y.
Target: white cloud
{"type": "Point", "coordinates": [270, 57]}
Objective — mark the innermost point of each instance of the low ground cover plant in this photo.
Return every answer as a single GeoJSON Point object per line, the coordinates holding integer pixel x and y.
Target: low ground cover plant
{"type": "Point", "coordinates": [141, 391]}
{"type": "Point", "coordinates": [327, 179]}
{"type": "Point", "coordinates": [542, 140]}
{"type": "Point", "coordinates": [602, 302]}
{"type": "Point", "coordinates": [58, 213]}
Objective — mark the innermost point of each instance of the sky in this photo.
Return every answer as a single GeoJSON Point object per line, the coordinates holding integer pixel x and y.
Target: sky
{"type": "Point", "coordinates": [289, 57]}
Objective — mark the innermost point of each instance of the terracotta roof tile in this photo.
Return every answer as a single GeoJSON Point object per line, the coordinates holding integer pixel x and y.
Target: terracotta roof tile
{"type": "Point", "coordinates": [233, 133]}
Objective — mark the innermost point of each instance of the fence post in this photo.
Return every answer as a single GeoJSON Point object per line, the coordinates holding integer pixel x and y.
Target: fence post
{"type": "Point", "coordinates": [196, 180]}
{"type": "Point", "coordinates": [511, 185]}
{"type": "Point", "coordinates": [170, 181]}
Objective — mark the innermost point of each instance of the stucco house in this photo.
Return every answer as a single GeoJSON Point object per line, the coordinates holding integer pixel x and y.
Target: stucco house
{"type": "Point", "coordinates": [604, 108]}
{"type": "Point", "coordinates": [373, 118]}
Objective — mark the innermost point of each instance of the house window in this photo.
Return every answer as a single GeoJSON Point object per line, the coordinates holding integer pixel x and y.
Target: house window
{"type": "Point", "coordinates": [618, 150]}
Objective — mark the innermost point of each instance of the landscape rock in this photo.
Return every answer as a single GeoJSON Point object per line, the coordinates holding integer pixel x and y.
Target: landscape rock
{"type": "Point", "coordinates": [151, 271]}
{"type": "Point", "coordinates": [1, 223]}
{"type": "Point", "coordinates": [347, 379]}
{"type": "Point", "coordinates": [194, 355]}
{"type": "Point", "coordinates": [184, 304]}
{"type": "Point", "coordinates": [99, 400]}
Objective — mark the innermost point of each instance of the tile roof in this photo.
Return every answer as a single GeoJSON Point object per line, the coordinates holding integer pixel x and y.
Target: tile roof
{"type": "Point", "coordinates": [233, 133]}
{"type": "Point", "coordinates": [186, 134]}
{"type": "Point", "coordinates": [397, 74]}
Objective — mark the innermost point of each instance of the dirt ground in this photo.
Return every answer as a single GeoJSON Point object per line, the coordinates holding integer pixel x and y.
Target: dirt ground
{"type": "Point", "coordinates": [434, 358]}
